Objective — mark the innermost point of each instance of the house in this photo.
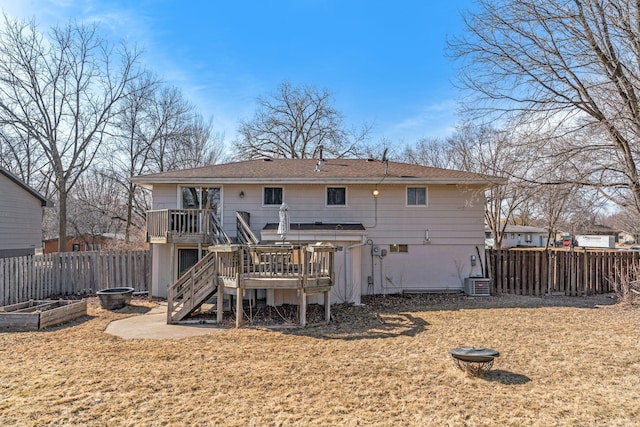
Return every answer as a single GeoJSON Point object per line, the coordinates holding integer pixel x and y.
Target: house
{"type": "Point", "coordinates": [520, 236]}
{"type": "Point", "coordinates": [397, 227]}
{"type": "Point", "coordinates": [83, 243]}
{"type": "Point", "coordinates": [21, 212]}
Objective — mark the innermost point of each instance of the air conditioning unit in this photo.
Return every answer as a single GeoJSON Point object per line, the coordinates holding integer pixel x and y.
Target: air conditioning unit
{"type": "Point", "coordinates": [477, 286]}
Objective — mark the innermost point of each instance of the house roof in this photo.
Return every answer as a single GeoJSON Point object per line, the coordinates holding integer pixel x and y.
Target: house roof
{"type": "Point", "coordinates": [43, 200]}
{"type": "Point", "coordinates": [295, 171]}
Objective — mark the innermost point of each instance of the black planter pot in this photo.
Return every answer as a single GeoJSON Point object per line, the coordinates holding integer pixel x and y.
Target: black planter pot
{"type": "Point", "coordinates": [114, 298]}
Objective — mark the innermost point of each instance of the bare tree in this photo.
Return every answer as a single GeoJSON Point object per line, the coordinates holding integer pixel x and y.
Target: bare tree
{"type": "Point", "coordinates": [23, 156]}
{"type": "Point", "coordinates": [572, 65]}
{"type": "Point", "coordinates": [62, 91]}
{"type": "Point", "coordinates": [432, 152]}
{"type": "Point", "coordinates": [129, 150]}
{"type": "Point", "coordinates": [493, 152]}
{"type": "Point", "coordinates": [198, 146]}
{"type": "Point", "coordinates": [95, 205]}
{"type": "Point", "coordinates": [293, 123]}
{"type": "Point", "coordinates": [156, 130]}
{"type": "Point", "coordinates": [166, 127]}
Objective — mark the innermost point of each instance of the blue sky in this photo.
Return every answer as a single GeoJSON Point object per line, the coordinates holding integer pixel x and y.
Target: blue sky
{"type": "Point", "coordinates": [383, 61]}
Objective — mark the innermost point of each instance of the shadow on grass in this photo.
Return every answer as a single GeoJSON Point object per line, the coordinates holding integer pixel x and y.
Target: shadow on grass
{"type": "Point", "coordinates": [458, 301]}
{"type": "Point", "coordinates": [505, 377]}
{"type": "Point", "coordinates": [359, 323]}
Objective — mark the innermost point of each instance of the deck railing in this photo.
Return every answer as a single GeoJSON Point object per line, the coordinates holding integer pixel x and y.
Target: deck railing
{"type": "Point", "coordinates": [309, 269]}
{"type": "Point", "coordinates": [243, 231]}
{"type": "Point", "coordinates": [243, 262]}
{"type": "Point", "coordinates": [170, 225]}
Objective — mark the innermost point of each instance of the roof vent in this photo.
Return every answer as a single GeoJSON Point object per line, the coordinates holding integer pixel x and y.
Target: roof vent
{"type": "Point", "coordinates": [371, 159]}
{"type": "Point", "coordinates": [266, 159]}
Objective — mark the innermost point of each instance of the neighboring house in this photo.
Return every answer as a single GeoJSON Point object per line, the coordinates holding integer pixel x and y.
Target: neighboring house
{"type": "Point", "coordinates": [84, 243]}
{"type": "Point", "coordinates": [398, 227]}
{"type": "Point", "coordinates": [21, 211]}
{"type": "Point", "coordinates": [520, 236]}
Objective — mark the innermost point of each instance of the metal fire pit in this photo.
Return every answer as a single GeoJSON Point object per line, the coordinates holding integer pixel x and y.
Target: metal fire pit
{"type": "Point", "coordinates": [475, 361]}
{"type": "Point", "coordinates": [114, 298]}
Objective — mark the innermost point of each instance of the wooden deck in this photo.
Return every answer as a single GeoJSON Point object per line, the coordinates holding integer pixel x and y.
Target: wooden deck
{"type": "Point", "coordinates": [309, 269]}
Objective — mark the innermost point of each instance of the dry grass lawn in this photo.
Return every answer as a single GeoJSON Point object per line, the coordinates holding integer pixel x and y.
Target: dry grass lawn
{"type": "Point", "coordinates": [564, 361]}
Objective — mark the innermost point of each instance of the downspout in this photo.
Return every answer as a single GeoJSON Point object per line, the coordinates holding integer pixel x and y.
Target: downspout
{"type": "Point", "coordinates": [346, 275]}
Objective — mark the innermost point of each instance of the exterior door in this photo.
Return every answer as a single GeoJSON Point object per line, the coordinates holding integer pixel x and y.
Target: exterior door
{"type": "Point", "coordinates": [187, 258]}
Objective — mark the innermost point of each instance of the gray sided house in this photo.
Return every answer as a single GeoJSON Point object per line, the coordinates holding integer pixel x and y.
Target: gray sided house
{"type": "Point", "coordinates": [397, 227]}
{"type": "Point", "coordinates": [520, 236]}
{"type": "Point", "coordinates": [21, 211]}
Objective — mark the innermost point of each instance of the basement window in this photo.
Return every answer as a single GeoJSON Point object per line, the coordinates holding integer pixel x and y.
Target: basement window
{"type": "Point", "coordinates": [399, 248]}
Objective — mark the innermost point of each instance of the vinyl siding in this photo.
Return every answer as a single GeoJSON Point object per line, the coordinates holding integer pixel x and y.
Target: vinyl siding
{"type": "Point", "coordinates": [165, 196]}
{"type": "Point", "coordinates": [453, 215]}
{"type": "Point", "coordinates": [20, 218]}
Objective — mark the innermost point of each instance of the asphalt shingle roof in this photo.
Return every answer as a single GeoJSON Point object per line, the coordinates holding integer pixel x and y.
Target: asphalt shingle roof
{"type": "Point", "coordinates": [305, 171]}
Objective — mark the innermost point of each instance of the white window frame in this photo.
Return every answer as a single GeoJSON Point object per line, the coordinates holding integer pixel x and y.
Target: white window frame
{"type": "Point", "coordinates": [426, 196]}
{"type": "Point", "coordinates": [326, 196]}
{"type": "Point", "coordinates": [270, 205]}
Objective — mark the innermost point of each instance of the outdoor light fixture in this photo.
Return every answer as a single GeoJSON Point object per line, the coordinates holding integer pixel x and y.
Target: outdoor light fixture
{"type": "Point", "coordinates": [241, 194]}
{"type": "Point", "coordinates": [376, 193]}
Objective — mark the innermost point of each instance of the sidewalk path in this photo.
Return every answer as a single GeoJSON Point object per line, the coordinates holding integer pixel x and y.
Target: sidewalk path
{"type": "Point", "coordinates": [153, 325]}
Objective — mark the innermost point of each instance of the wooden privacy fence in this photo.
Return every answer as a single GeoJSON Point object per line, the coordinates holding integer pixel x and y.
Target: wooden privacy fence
{"type": "Point", "coordinates": [68, 273]}
{"type": "Point", "coordinates": [558, 272]}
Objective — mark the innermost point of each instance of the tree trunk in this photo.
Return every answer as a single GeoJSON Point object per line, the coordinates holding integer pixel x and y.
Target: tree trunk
{"type": "Point", "coordinates": [62, 218]}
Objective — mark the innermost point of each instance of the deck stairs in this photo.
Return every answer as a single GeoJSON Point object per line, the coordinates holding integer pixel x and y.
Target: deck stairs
{"type": "Point", "coordinates": [192, 289]}
{"type": "Point", "coordinates": [199, 283]}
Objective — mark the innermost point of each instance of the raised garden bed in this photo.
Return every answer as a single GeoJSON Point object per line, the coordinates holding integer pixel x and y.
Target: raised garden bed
{"type": "Point", "coordinates": [39, 314]}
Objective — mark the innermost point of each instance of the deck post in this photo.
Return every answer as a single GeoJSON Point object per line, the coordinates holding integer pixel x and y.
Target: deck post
{"type": "Point", "coordinates": [220, 301]}
{"type": "Point", "coordinates": [327, 306]}
{"type": "Point", "coordinates": [303, 308]}
{"type": "Point", "coordinates": [239, 313]}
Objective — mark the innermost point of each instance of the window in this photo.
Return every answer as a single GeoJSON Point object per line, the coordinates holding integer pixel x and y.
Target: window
{"type": "Point", "coordinates": [272, 196]}
{"type": "Point", "coordinates": [399, 248]}
{"type": "Point", "coordinates": [336, 196]}
{"type": "Point", "coordinates": [416, 196]}
{"type": "Point", "coordinates": [201, 198]}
